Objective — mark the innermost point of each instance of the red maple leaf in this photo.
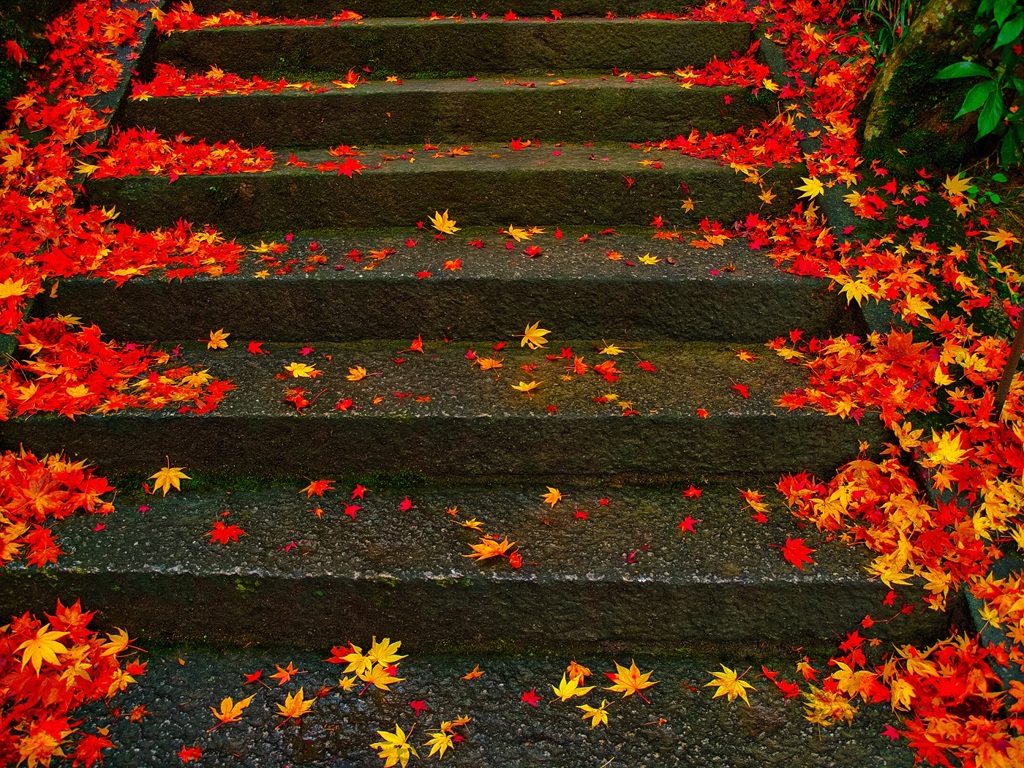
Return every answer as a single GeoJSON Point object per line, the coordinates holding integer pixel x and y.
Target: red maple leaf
{"type": "Point", "coordinates": [406, 505]}
{"type": "Point", "coordinates": [419, 706]}
{"type": "Point", "coordinates": [317, 487]}
{"type": "Point", "coordinates": [797, 553]}
{"type": "Point", "coordinates": [688, 524]}
{"type": "Point", "coordinates": [743, 389]}
{"type": "Point", "coordinates": [190, 754]}
{"type": "Point", "coordinates": [222, 533]}
{"type": "Point", "coordinates": [530, 697]}
{"type": "Point", "coordinates": [351, 509]}
{"type": "Point", "coordinates": [256, 348]}
{"type": "Point", "coordinates": [693, 492]}
{"type": "Point", "coordinates": [15, 52]}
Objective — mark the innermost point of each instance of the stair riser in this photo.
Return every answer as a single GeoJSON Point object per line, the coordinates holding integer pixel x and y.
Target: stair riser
{"type": "Point", "coordinates": [442, 446]}
{"type": "Point", "coordinates": [452, 50]}
{"type": "Point", "coordinates": [485, 615]}
{"type": "Point", "coordinates": [382, 8]}
{"type": "Point", "coordinates": [288, 201]}
{"type": "Point", "coordinates": [371, 117]}
{"type": "Point", "coordinates": [453, 308]}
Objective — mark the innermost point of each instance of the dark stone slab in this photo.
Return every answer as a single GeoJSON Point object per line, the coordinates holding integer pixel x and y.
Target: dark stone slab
{"type": "Point", "coordinates": [381, 8]}
{"type": "Point", "coordinates": [449, 48]}
{"type": "Point", "coordinates": [454, 111]}
{"type": "Point", "coordinates": [492, 186]}
{"type": "Point", "coordinates": [474, 423]}
{"type": "Point", "coordinates": [680, 728]}
{"type": "Point", "coordinates": [723, 294]}
{"type": "Point", "coordinates": [623, 580]}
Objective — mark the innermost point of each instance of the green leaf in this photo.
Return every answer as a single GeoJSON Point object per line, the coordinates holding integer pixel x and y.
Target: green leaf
{"type": "Point", "coordinates": [1002, 10]}
{"type": "Point", "coordinates": [993, 198]}
{"type": "Point", "coordinates": [976, 97]}
{"type": "Point", "coordinates": [1010, 31]}
{"type": "Point", "coordinates": [963, 69]}
{"type": "Point", "coordinates": [991, 114]}
{"type": "Point", "coordinates": [1010, 150]}
{"type": "Point", "coordinates": [999, 177]}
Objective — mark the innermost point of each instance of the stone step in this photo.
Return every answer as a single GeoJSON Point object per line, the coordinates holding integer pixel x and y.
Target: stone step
{"type": "Point", "coordinates": [403, 46]}
{"type": "Point", "coordinates": [680, 728]}
{"type": "Point", "coordinates": [439, 414]}
{"type": "Point", "coordinates": [371, 8]}
{"type": "Point", "coordinates": [586, 109]}
{"type": "Point", "coordinates": [625, 579]}
{"type": "Point", "coordinates": [728, 293]}
{"type": "Point", "coordinates": [492, 186]}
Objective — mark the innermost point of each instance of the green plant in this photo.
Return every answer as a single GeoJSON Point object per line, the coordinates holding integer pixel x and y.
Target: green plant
{"type": "Point", "coordinates": [1000, 95]}
{"type": "Point", "coordinates": [888, 19]}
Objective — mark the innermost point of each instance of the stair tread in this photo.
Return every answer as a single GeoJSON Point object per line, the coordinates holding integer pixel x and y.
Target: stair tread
{"type": "Point", "coordinates": [626, 572]}
{"type": "Point", "coordinates": [689, 376]}
{"type": "Point", "coordinates": [181, 684]}
{"type": "Point", "coordinates": [450, 287]}
{"type": "Point", "coordinates": [411, 45]}
{"type": "Point", "coordinates": [688, 416]}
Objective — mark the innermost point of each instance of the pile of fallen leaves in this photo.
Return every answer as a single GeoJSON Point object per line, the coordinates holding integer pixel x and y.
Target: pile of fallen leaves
{"type": "Point", "coordinates": [48, 670]}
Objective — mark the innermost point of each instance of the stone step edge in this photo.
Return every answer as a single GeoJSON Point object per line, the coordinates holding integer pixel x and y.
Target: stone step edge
{"type": "Point", "coordinates": [212, 565]}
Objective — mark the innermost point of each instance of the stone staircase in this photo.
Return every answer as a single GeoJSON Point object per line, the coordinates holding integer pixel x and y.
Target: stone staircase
{"type": "Point", "coordinates": [606, 571]}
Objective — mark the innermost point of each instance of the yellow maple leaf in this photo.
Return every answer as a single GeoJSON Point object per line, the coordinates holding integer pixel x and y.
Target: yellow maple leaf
{"type": "Point", "coordinates": [230, 711]}
{"type": "Point", "coordinates": [1001, 237]}
{"type": "Point", "coordinates": [443, 224]}
{"type": "Point", "coordinates": [957, 185]}
{"type": "Point", "coordinates": [380, 676]}
{"type": "Point", "coordinates": [518, 234]}
{"type": "Point", "coordinates": [395, 748]}
{"type": "Point", "coordinates": [648, 259]}
{"type": "Point", "coordinates": [526, 387]}
{"type": "Point", "coordinates": [385, 651]}
{"type": "Point", "coordinates": [439, 742]}
{"type": "Point", "coordinates": [167, 478]}
{"type": "Point", "coordinates": [11, 287]}
{"type": "Point", "coordinates": [567, 689]}
{"type": "Point", "coordinates": [767, 196]}
{"type": "Point", "coordinates": [488, 547]}
{"type": "Point", "coordinates": [552, 497]}
{"type": "Point", "coordinates": [295, 706]}
{"type": "Point", "coordinates": [534, 335]}
{"type": "Point", "coordinates": [356, 373]}
{"type": "Point", "coordinates": [218, 340]}
{"type": "Point", "coordinates": [948, 449]}
{"type": "Point", "coordinates": [44, 646]}
{"type": "Point", "coordinates": [302, 370]}
{"type": "Point", "coordinates": [488, 363]}
{"type": "Point", "coordinates": [357, 662]}
{"type": "Point", "coordinates": [812, 187]}
{"type": "Point", "coordinates": [346, 683]}
{"type": "Point", "coordinates": [630, 681]}
{"type": "Point", "coordinates": [596, 715]}
{"type": "Point", "coordinates": [610, 349]}
{"type": "Point", "coordinates": [116, 643]}
{"type": "Point", "coordinates": [727, 683]}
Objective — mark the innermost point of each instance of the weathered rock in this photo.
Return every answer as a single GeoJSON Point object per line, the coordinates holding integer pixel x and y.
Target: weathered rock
{"type": "Point", "coordinates": [910, 115]}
